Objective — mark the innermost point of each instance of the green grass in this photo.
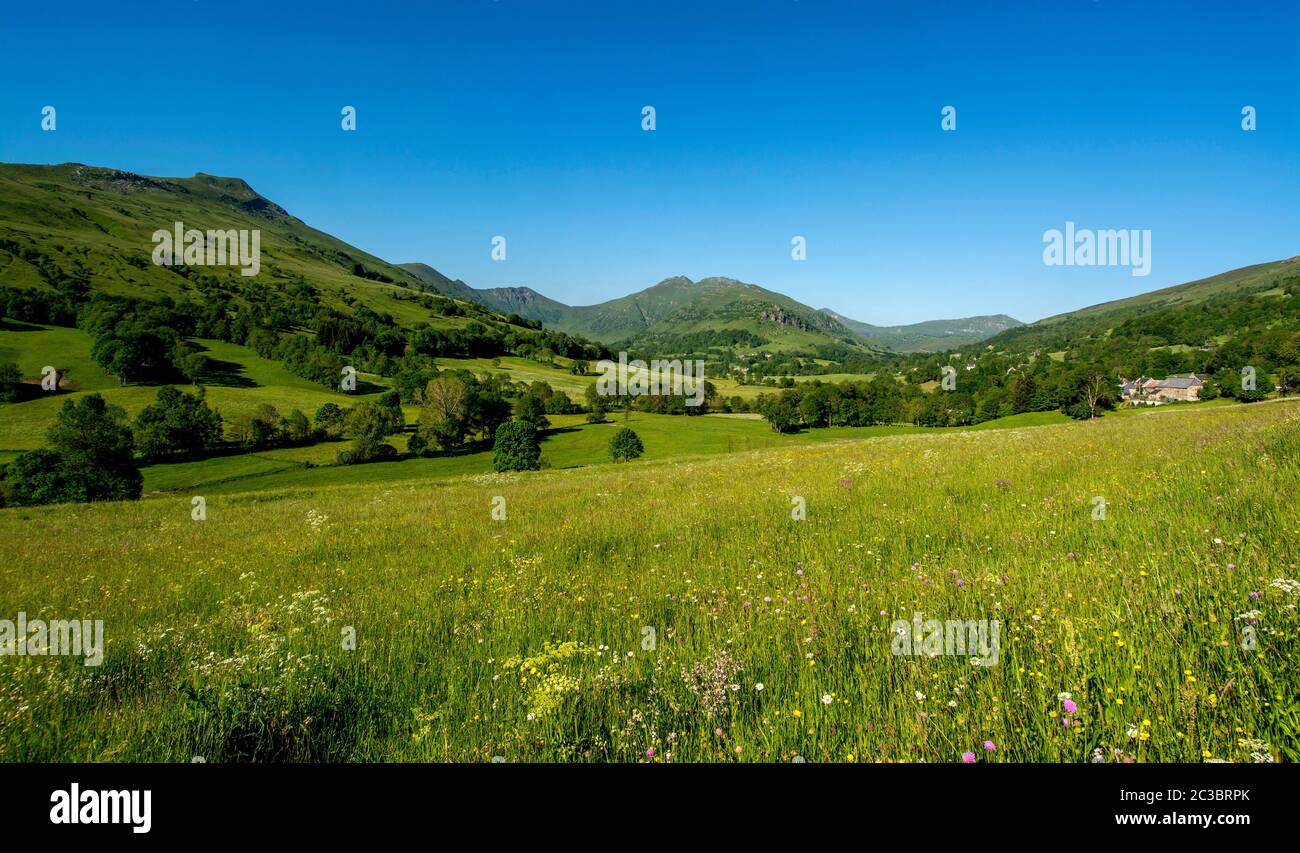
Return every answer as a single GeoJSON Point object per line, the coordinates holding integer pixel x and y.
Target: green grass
{"type": "Point", "coordinates": [242, 381]}
{"type": "Point", "coordinates": [570, 443]}
{"type": "Point", "coordinates": [88, 216]}
{"type": "Point", "coordinates": [530, 637]}
{"type": "Point", "coordinates": [559, 378]}
{"type": "Point", "coordinates": [34, 347]}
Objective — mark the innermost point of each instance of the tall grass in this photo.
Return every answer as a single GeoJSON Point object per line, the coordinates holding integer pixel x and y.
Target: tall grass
{"type": "Point", "coordinates": [529, 638]}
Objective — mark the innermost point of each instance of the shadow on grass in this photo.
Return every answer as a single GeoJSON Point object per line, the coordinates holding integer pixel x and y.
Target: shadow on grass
{"type": "Point", "coordinates": [228, 374]}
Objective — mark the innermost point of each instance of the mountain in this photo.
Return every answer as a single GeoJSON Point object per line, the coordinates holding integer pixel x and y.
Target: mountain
{"type": "Point", "coordinates": [679, 315]}
{"type": "Point", "coordinates": [931, 335]}
{"type": "Point", "coordinates": [675, 316]}
{"type": "Point", "coordinates": [83, 228]}
{"type": "Point", "coordinates": [523, 301]}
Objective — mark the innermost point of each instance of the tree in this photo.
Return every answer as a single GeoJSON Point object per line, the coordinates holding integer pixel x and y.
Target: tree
{"type": "Point", "coordinates": [176, 424]}
{"type": "Point", "coordinates": [1288, 379]}
{"type": "Point", "coordinates": [368, 424]}
{"type": "Point", "coordinates": [779, 411]}
{"type": "Point", "coordinates": [296, 428]}
{"type": "Point", "coordinates": [1023, 391]}
{"type": "Point", "coordinates": [814, 407]}
{"type": "Point", "coordinates": [91, 458]}
{"type": "Point", "coordinates": [391, 403]}
{"type": "Point", "coordinates": [597, 402]}
{"type": "Point", "coordinates": [1094, 391]}
{"type": "Point", "coordinates": [516, 447]}
{"type": "Point", "coordinates": [35, 477]}
{"type": "Point", "coordinates": [416, 445]}
{"type": "Point", "coordinates": [531, 410]}
{"type": "Point", "coordinates": [329, 419]}
{"type": "Point", "coordinates": [10, 380]}
{"type": "Point", "coordinates": [445, 406]}
{"type": "Point", "coordinates": [259, 430]}
{"type": "Point", "coordinates": [625, 445]}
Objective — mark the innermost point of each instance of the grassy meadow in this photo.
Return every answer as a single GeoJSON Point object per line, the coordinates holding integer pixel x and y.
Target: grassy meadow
{"type": "Point", "coordinates": [674, 610]}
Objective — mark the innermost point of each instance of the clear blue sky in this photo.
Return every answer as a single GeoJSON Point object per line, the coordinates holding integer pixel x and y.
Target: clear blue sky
{"type": "Point", "coordinates": [775, 118]}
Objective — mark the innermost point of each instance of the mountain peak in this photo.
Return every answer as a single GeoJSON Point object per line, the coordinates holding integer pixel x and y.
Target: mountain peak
{"type": "Point", "coordinates": [673, 281]}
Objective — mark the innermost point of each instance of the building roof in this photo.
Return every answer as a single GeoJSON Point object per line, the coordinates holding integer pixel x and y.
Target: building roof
{"type": "Point", "coordinates": [1180, 383]}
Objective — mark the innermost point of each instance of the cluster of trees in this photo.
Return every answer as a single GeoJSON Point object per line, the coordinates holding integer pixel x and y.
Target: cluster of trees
{"type": "Point", "coordinates": [884, 400]}
{"type": "Point", "coordinates": [599, 405]}
{"type": "Point", "coordinates": [456, 408]}
{"type": "Point", "coordinates": [1078, 390]}
{"type": "Point", "coordinates": [147, 341]}
{"type": "Point", "coordinates": [142, 341]}
{"type": "Point", "coordinates": [36, 306]}
{"type": "Point", "coordinates": [369, 424]}
{"type": "Point", "coordinates": [817, 404]}
{"type": "Point", "coordinates": [177, 424]}
{"type": "Point", "coordinates": [90, 457]}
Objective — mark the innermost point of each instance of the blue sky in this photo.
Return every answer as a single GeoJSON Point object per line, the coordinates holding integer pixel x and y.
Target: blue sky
{"type": "Point", "coordinates": [775, 118]}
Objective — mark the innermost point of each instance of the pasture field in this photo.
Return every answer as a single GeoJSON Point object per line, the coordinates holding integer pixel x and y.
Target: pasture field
{"type": "Point", "coordinates": [680, 608]}
{"type": "Point", "coordinates": [570, 443]}
{"type": "Point", "coordinates": [559, 377]}
{"type": "Point", "coordinates": [240, 381]}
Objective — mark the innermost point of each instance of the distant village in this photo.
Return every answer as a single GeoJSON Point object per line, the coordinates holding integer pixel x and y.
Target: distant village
{"type": "Point", "coordinates": [1145, 391]}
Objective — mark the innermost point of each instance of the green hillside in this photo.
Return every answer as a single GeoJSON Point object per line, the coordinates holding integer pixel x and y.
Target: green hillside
{"type": "Point", "coordinates": [1245, 280]}
{"type": "Point", "coordinates": [1207, 313]}
{"type": "Point", "coordinates": [86, 290]}
{"type": "Point", "coordinates": [94, 226]}
{"type": "Point", "coordinates": [679, 308]}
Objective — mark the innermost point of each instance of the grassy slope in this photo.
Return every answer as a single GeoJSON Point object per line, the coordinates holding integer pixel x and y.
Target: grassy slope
{"type": "Point", "coordinates": [1243, 279]}
{"type": "Point", "coordinates": [243, 613]}
{"type": "Point", "coordinates": [96, 219]}
{"type": "Point", "coordinates": [23, 425]}
{"type": "Point", "coordinates": [33, 347]}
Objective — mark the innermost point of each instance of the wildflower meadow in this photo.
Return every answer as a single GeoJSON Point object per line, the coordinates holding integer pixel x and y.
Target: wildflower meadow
{"type": "Point", "coordinates": [1139, 575]}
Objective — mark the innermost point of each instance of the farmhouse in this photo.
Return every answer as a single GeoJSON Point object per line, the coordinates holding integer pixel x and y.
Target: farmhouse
{"type": "Point", "coordinates": [1145, 391]}
{"type": "Point", "coordinates": [1180, 389]}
